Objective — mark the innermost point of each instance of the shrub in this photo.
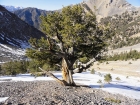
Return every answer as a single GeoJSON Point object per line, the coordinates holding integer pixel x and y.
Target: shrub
{"type": "Point", "coordinates": [108, 78]}
{"type": "Point", "coordinates": [100, 61]}
{"type": "Point", "coordinates": [113, 100]}
{"type": "Point", "coordinates": [127, 76]}
{"type": "Point", "coordinates": [92, 71]}
{"type": "Point", "coordinates": [14, 67]}
{"type": "Point", "coordinates": [99, 81]}
{"type": "Point", "coordinates": [129, 63]}
{"type": "Point", "coordinates": [99, 74]}
{"type": "Point", "coordinates": [133, 54]}
{"type": "Point", "coordinates": [117, 78]}
{"type": "Point", "coordinates": [84, 59]}
{"type": "Point", "coordinates": [107, 63]}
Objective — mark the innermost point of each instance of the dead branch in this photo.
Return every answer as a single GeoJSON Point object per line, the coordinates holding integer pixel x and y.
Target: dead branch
{"type": "Point", "coordinates": [62, 82]}
{"type": "Point", "coordinates": [83, 66]}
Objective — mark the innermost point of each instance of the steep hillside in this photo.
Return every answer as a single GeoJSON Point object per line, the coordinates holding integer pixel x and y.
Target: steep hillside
{"type": "Point", "coordinates": [14, 31]}
{"type": "Point", "coordinates": [14, 34]}
{"type": "Point", "coordinates": [31, 16]}
{"type": "Point", "coordinates": [125, 26]}
{"type": "Point", "coordinates": [104, 8]}
{"type": "Point", "coordinates": [10, 53]}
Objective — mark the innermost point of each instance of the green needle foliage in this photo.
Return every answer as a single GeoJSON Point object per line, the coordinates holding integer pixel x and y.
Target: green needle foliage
{"type": "Point", "coordinates": [72, 34]}
{"type": "Point", "coordinates": [14, 67]}
{"type": "Point", "coordinates": [108, 78]}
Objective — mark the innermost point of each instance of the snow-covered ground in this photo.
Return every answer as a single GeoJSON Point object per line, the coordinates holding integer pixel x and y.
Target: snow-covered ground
{"type": "Point", "coordinates": [3, 99]}
{"type": "Point", "coordinates": [126, 86]}
{"type": "Point", "coordinates": [9, 53]}
{"type": "Point", "coordinates": [9, 49]}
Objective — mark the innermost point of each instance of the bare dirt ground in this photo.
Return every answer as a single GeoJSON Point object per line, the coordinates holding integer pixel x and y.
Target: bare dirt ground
{"type": "Point", "coordinates": [127, 68]}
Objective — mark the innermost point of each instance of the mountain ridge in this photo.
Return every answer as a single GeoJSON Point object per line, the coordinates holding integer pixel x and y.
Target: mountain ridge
{"type": "Point", "coordinates": [12, 8]}
{"type": "Point", "coordinates": [31, 16]}
{"type": "Point", "coordinates": [102, 9]}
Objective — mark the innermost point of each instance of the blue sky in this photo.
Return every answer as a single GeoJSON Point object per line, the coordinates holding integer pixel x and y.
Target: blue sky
{"type": "Point", "coordinates": [134, 2]}
{"type": "Point", "coordinates": [49, 4]}
{"type": "Point", "coordinates": [41, 4]}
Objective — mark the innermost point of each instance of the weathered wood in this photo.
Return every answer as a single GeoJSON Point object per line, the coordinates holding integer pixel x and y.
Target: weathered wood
{"type": "Point", "coordinates": [83, 66]}
{"type": "Point", "coordinates": [54, 77]}
{"type": "Point", "coordinates": [66, 74]}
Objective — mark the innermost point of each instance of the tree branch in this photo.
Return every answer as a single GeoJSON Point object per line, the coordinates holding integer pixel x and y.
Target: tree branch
{"type": "Point", "coordinates": [59, 37]}
{"type": "Point", "coordinates": [57, 53]}
{"type": "Point", "coordinates": [83, 66]}
{"type": "Point", "coordinates": [53, 76]}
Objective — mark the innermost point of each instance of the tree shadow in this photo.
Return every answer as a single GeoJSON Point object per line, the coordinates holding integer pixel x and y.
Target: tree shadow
{"type": "Point", "coordinates": [135, 88]}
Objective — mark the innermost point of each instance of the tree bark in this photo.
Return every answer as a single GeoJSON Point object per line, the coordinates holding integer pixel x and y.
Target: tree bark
{"type": "Point", "coordinates": [67, 78]}
{"type": "Point", "coordinates": [67, 74]}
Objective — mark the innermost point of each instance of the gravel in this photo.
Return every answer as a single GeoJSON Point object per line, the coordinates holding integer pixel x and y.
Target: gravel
{"type": "Point", "coordinates": [51, 93]}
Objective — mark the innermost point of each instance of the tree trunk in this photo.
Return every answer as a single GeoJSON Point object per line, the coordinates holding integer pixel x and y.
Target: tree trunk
{"type": "Point", "coordinates": [67, 74]}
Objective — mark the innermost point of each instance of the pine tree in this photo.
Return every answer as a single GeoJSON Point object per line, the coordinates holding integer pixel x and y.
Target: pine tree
{"type": "Point", "coordinates": [72, 34]}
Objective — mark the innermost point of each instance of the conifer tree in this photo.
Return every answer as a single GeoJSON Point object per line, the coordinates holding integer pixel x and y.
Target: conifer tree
{"type": "Point", "coordinates": [72, 34]}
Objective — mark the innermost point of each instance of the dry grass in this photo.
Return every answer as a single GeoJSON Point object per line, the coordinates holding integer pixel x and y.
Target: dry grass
{"type": "Point", "coordinates": [119, 67]}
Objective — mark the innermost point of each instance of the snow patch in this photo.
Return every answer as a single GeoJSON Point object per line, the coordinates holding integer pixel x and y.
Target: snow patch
{"type": "Point", "coordinates": [8, 49]}
{"type": "Point", "coordinates": [2, 99]}
{"type": "Point", "coordinates": [129, 87]}
{"type": "Point", "coordinates": [13, 8]}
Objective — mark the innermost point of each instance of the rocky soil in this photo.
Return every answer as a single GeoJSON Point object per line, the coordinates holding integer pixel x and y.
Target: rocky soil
{"type": "Point", "coordinates": [51, 93]}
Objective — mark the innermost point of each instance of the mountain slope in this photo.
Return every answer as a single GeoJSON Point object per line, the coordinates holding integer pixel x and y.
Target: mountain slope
{"type": "Point", "coordinates": [31, 16]}
{"type": "Point", "coordinates": [126, 28]}
{"type": "Point", "coordinates": [104, 8]}
{"type": "Point", "coordinates": [14, 35]}
{"type": "Point", "coordinates": [14, 31]}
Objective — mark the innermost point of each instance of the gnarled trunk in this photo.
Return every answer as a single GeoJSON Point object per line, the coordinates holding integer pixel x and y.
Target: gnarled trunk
{"type": "Point", "coordinates": [67, 74]}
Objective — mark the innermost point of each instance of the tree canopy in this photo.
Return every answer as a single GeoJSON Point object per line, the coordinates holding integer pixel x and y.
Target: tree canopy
{"type": "Point", "coordinates": [72, 34]}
